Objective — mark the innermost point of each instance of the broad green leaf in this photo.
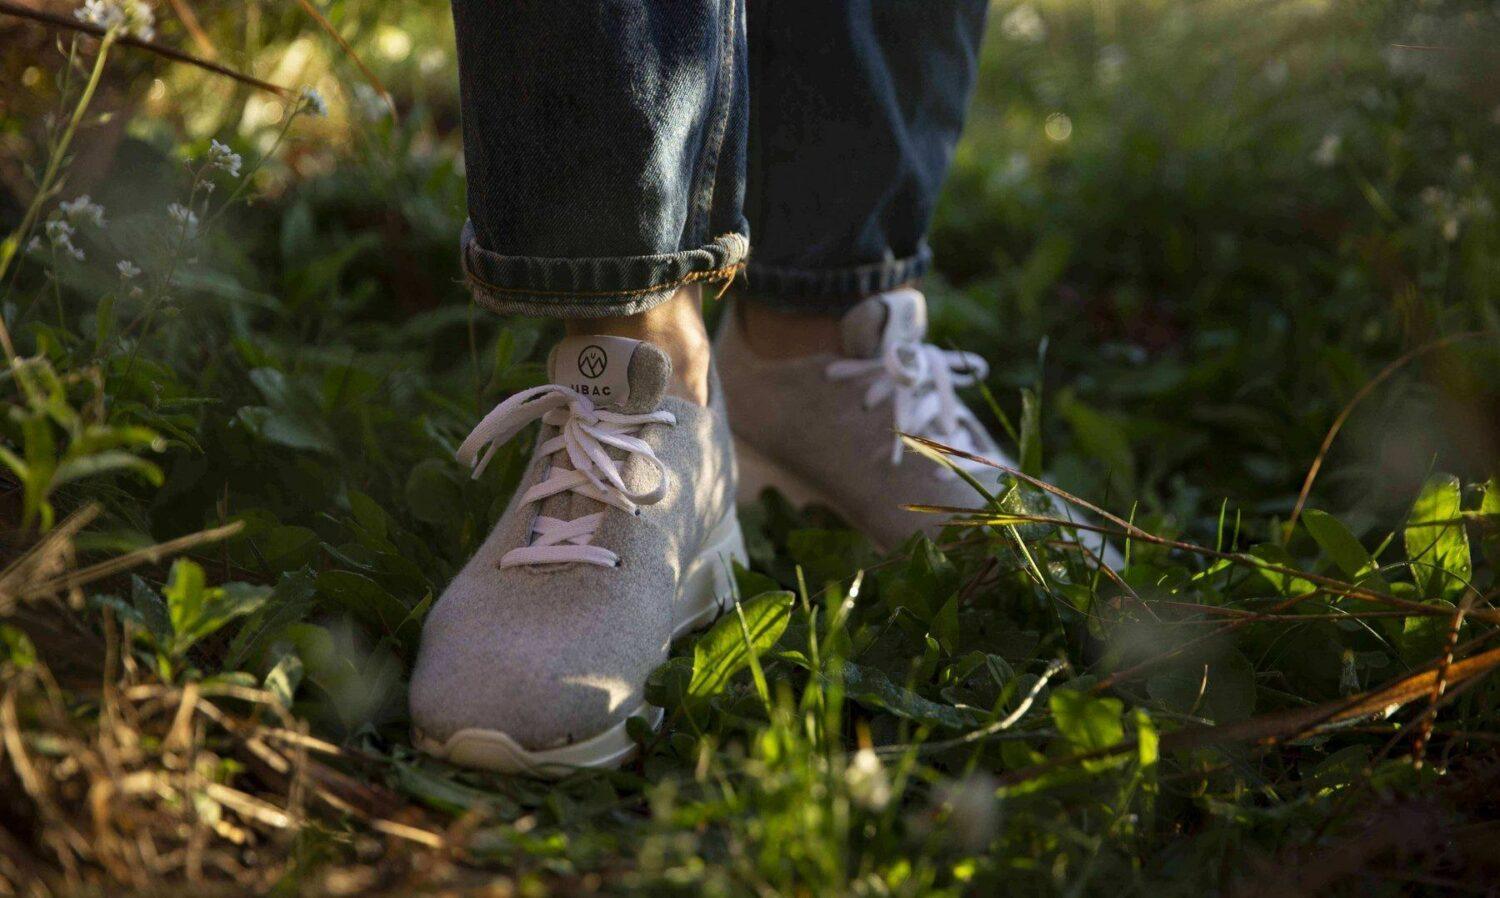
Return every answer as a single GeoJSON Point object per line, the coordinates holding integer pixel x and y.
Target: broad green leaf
{"type": "Point", "coordinates": [291, 601]}
{"type": "Point", "coordinates": [1437, 543]}
{"type": "Point", "coordinates": [432, 491]}
{"type": "Point", "coordinates": [667, 686]}
{"type": "Point", "coordinates": [723, 651]}
{"type": "Point", "coordinates": [1148, 740]}
{"type": "Point", "coordinates": [185, 597]}
{"type": "Point", "coordinates": [945, 625]}
{"type": "Point", "coordinates": [366, 601]}
{"type": "Point", "coordinates": [1346, 552]}
{"type": "Point", "coordinates": [283, 429]}
{"type": "Point", "coordinates": [196, 609]}
{"type": "Point", "coordinates": [751, 583]}
{"type": "Point", "coordinates": [17, 645]}
{"type": "Point", "coordinates": [1489, 509]}
{"type": "Point", "coordinates": [872, 688]}
{"type": "Point", "coordinates": [284, 677]}
{"type": "Point", "coordinates": [438, 791]}
{"type": "Point", "coordinates": [1089, 722]}
{"type": "Point", "coordinates": [105, 462]}
{"type": "Point", "coordinates": [152, 609]}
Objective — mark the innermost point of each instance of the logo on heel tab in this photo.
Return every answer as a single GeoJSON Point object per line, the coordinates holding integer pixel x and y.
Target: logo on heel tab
{"type": "Point", "coordinates": [592, 361]}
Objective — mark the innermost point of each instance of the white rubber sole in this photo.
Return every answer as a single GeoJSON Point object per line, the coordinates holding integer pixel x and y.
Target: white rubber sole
{"type": "Point", "coordinates": [706, 590]}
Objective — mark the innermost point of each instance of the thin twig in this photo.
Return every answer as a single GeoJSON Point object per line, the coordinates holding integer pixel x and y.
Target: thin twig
{"type": "Point", "coordinates": [71, 24]}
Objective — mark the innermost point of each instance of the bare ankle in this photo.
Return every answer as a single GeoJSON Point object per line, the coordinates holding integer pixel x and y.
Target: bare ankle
{"type": "Point", "coordinates": [772, 333]}
{"type": "Point", "coordinates": [676, 327]}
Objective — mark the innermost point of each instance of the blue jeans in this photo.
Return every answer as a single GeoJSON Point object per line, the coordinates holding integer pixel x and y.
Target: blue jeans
{"type": "Point", "coordinates": [618, 150]}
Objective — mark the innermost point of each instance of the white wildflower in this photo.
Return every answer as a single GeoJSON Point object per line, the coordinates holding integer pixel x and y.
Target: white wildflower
{"type": "Point", "coordinates": [1450, 228]}
{"type": "Point", "coordinates": [313, 101]}
{"type": "Point", "coordinates": [865, 777]}
{"type": "Point", "coordinates": [1024, 24]}
{"type": "Point", "coordinates": [60, 235]}
{"type": "Point", "coordinates": [131, 17]}
{"type": "Point", "coordinates": [128, 270]}
{"type": "Point", "coordinates": [1327, 153]}
{"type": "Point", "coordinates": [35, 245]}
{"type": "Point", "coordinates": [223, 158]}
{"type": "Point", "coordinates": [82, 209]}
{"type": "Point", "coordinates": [186, 218]}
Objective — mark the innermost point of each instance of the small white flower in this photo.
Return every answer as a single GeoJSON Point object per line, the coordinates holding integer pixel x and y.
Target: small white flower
{"type": "Point", "coordinates": [1327, 153]}
{"type": "Point", "coordinates": [313, 101]}
{"type": "Point", "coordinates": [1450, 228]}
{"type": "Point", "coordinates": [186, 218]}
{"type": "Point", "coordinates": [104, 13]}
{"type": "Point", "coordinates": [132, 17]}
{"type": "Point", "coordinates": [35, 245]}
{"type": "Point", "coordinates": [1024, 24]}
{"type": "Point", "coordinates": [81, 209]}
{"type": "Point", "coordinates": [865, 777]}
{"type": "Point", "coordinates": [128, 270]}
{"type": "Point", "coordinates": [60, 235]}
{"type": "Point", "coordinates": [223, 158]}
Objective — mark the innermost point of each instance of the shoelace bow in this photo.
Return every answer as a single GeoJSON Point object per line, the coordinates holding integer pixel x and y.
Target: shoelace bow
{"type": "Point", "coordinates": [583, 432]}
{"type": "Point", "coordinates": [920, 379]}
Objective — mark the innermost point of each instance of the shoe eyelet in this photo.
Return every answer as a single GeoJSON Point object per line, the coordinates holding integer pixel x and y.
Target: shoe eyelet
{"type": "Point", "coordinates": [636, 513]}
{"type": "Point", "coordinates": [619, 563]}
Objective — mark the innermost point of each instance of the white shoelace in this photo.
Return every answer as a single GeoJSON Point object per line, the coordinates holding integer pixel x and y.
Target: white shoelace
{"type": "Point", "coordinates": [920, 380]}
{"type": "Point", "coordinates": [583, 431]}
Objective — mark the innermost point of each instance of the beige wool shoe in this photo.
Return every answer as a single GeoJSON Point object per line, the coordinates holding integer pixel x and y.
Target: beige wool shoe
{"type": "Point", "coordinates": [823, 428]}
{"type": "Point", "coordinates": [620, 537]}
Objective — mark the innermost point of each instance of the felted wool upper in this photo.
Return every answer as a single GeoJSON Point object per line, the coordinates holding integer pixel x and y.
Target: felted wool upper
{"type": "Point", "coordinates": [554, 654]}
{"type": "Point", "coordinates": [828, 437]}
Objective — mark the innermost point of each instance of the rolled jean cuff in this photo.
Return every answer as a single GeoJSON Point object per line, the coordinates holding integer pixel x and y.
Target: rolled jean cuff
{"type": "Point", "coordinates": [814, 290]}
{"type": "Point", "coordinates": [594, 287]}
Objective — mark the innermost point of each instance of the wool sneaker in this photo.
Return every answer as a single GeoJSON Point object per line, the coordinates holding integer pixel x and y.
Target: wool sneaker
{"type": "Point", "coordinates": [620, 537]}
{"type": "Point", "coordinates": [823, 428]}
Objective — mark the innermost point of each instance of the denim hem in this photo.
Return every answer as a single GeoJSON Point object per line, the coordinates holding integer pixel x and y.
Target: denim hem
{"type": "Point", "coordinates": [594, 287]}
{"type": "Point", "coordinates": [814, 290]}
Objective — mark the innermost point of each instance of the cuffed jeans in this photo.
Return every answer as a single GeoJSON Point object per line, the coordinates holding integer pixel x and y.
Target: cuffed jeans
{"type": "Point", "coordinates": [618, 150]}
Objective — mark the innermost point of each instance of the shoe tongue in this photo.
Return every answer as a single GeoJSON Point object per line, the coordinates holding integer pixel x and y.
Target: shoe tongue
{"type": "Point", "coordinates": [617, 373]}
{"type": "Point", "coordinates": [899, 316]}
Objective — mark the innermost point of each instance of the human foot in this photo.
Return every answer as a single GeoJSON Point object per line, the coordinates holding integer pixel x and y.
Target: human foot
{"type": "Point", "coordinates": [822, 427]}
{"type": "Point", "coordinates": [620, 537]}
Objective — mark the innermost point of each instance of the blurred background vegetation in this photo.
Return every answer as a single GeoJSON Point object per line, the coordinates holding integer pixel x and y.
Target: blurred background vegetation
{"type": "Point", "coordinates": [1193, 231]}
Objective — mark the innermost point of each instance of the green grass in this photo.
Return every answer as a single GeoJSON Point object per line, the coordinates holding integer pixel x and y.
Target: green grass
{"type": "Point", "coordinates": [1186, 236]}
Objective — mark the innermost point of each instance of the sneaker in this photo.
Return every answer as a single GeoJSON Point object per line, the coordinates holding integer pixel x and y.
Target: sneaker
{"type": "Point", "coordinates": [620, 538]}
{"type": "Point", "coordinates": [837, 444]}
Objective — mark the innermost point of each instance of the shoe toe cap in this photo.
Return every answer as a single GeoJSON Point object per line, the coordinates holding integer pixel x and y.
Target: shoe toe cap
{"type": "Point", "coordinates": [521, 664]}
